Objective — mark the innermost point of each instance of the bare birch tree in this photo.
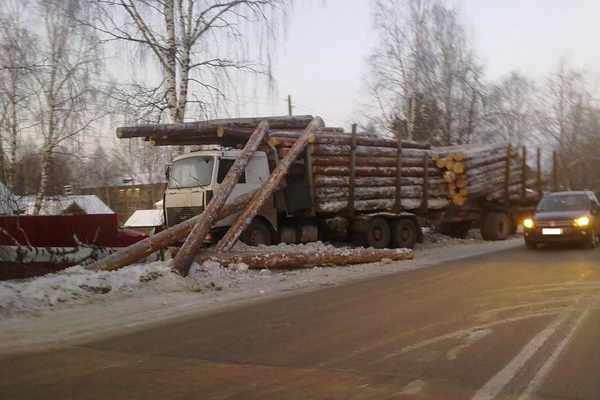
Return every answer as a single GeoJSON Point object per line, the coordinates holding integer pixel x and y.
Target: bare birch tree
{"type": "Point", "coordinates": [197, 44]}
{"type": "Point", "coordinates": [509, 110]}
{"type": "Point", "coordinates": [67, 102]}
{"type": "Point", "coordinates": [569, 118]}
{"type": "Point", "coordinates": [424, 73]}
{"type": "Point", "coordinates": [16, 66]}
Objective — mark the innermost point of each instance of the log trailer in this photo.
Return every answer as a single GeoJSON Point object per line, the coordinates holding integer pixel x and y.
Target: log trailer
{"type": "Point", "coordinates": [374, 191]}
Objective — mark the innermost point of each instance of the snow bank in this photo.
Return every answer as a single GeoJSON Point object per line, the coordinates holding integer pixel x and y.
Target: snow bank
{"type": "Point", "coordinates": [79, 304]}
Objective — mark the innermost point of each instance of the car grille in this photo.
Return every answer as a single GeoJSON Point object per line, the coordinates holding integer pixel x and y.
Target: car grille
{"type": "Point", "coordinates": [552, 224]}
{"type": "Point", "coordinates": [177, 215]}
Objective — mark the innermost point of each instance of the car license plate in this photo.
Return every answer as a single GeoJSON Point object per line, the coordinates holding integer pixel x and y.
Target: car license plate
{"type": "Point", "coordinates": [552, 231]}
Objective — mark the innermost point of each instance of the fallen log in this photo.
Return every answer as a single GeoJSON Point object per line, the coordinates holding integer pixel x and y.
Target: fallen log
{"type": "Point", "coordinates": [80, 255]}
{"type": "Point", "coordinates": [163, 239]}
{"type": "Point", "coordinates": [287, 259]}
{"type": "Point", "coordinates": [185, 256]}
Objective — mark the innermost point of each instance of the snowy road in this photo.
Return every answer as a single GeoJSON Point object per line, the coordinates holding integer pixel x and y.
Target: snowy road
{"type": "Point", "coordinates": [510, 324]}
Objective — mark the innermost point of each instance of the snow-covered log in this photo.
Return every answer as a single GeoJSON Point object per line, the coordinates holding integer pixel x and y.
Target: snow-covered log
{"type": "Point", "coordinates": [287, 259]}
{"type": "Point", "coordinates": [81, 254]}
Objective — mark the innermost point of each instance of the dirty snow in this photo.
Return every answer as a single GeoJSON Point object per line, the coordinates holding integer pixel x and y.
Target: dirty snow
{"type": "Point", "coordinates": [76, 305]}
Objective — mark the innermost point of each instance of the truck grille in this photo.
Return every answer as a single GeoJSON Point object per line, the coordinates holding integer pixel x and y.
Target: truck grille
{"type": "Point", "coordinates": [177, 215]}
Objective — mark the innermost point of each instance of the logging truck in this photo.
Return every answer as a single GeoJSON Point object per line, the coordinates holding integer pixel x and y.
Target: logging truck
{"type": "Point", "coordinates": [291, 215]}
{"type": "Point", "coordinates": [375, 191]}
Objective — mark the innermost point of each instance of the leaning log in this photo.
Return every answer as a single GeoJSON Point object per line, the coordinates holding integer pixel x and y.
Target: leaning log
{"type": "Point", "coordinates": [161, 240]}
{"type": "Point", "coordinates": [289, 259]}
{"type": "Point", "coordinates": [185, 256]}
{"type": "Point", "coordinates": [245, 218]}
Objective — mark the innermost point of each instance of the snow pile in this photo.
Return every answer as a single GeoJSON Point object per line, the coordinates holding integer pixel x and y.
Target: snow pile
{"type": "Point", "coordinates": [77, 287]}
{"type": "Point", "coordinates": [77, 304]}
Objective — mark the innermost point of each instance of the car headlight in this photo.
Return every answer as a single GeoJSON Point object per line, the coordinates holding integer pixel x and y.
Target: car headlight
{"type": "Point", "coordinates": [583, 221]}
{"type": "Point", "coordinates": [528, 223]}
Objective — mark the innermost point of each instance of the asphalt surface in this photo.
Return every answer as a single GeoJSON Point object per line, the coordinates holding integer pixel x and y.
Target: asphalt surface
{"type": "Point", "coordinates": [514, 324]}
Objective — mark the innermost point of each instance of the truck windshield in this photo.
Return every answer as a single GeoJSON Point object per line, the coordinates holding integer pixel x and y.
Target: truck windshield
{"type": "Point", "coordinates": [191, 172]}
{"type": "Point", "coordinates": [563, 203]}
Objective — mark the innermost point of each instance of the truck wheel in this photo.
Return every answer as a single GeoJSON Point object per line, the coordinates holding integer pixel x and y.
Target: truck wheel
{"type": "Point", "coordinates": [495, 226]}
{"type": "Point", "coordinates": [257, 233]}
{"type": "Point", "coordinates": [404, 233]}
{"type": "Point", "coordinates": [377, 234]}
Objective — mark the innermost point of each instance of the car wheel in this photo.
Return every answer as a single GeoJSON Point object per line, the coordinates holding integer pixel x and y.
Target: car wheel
{"type": "Point", "coordinates": [530, 245]}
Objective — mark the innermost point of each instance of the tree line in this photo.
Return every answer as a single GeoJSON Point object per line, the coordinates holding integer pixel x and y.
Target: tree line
{"type": "Point", "coordinates": [72, 69]}
{"type": "Point", "coordinates": [425, 82]}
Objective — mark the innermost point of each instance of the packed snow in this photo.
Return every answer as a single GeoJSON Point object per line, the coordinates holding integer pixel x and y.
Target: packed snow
{"type": "Point", "coordinates": [77, 304]}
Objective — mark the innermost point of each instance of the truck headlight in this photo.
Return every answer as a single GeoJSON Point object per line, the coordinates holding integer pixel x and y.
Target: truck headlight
{"type": "Point", "coordinates": [528, 223]}
{"type": "Point", "coordinates": [583, 221]}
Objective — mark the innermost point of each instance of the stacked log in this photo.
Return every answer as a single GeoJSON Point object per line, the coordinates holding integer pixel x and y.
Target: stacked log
{"type": "Point", "coordinates": [365, 169]}
{"type": "Point", "coordinates": [493, 172]}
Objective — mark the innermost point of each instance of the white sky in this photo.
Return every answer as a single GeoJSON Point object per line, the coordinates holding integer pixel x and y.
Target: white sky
{"type": "Point", "coordinates": [321, 62]}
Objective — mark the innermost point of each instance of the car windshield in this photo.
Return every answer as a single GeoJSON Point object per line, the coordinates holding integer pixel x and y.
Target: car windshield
{"type": "Point", "coordinates": [567, 202]}
{"type": "Point", "coordinates": [191, 172]}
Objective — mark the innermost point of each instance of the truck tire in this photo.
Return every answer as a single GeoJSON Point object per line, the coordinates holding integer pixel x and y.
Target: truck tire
{"type": "Point", "coordinates": [376, 234]}
{"type": "Point", "coordinates": [257, 233]}
{"type": "Point", "coordinates": [495, 226]}
{"type": "Point", "coordinates": [404, 233]}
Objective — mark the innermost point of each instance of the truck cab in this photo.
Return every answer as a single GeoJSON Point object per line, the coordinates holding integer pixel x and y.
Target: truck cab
{"type": "Point", "coordinates": [194, 178]}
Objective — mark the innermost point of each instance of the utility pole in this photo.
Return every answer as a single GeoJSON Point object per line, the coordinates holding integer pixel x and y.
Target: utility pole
{"type": "Point", "coordinates": [289, 104]}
